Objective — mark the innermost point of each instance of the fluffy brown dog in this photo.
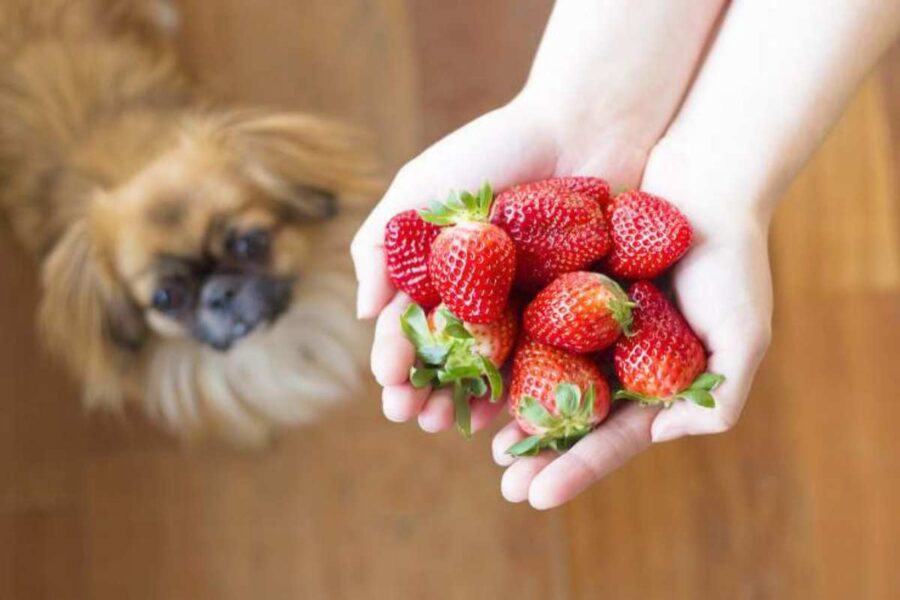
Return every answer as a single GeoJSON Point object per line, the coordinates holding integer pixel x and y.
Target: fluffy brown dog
{"type": "Point", "coordinates": [192, 259]}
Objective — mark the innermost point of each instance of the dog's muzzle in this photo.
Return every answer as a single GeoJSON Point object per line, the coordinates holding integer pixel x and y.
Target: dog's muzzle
{"type": "Point", "coordinates": [232, 305]}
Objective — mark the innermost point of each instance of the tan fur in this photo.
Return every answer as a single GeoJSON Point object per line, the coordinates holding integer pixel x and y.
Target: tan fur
{"type": "Point", "coordinates": [108, 160]}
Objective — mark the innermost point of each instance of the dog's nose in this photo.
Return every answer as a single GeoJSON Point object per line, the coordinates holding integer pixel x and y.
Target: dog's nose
{"type": "Point", "coordinates": [231, 305]}
{"type": "Point", "coordinates": [220, 291]}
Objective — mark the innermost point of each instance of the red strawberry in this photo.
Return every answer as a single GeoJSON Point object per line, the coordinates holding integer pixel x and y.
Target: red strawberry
{"type": "Point", "coordinates": [555, 229]}
{"type": "Point", "coordinates": [494, 341]}
{"type": "Point", "coordinates": [649, 235]}
{"type": "Point", "coordinates": [663, 361]}
{"type": "Point", "coordinates": [407, 248]}
{"type": "Point", "coordinates": [594, 187]}
{"type": "Point", "coordinates": [580, 312]}
{"type": "Point", "coordinates": [472, 262]}
{"type": "Point", "coordinates": [555, 396]}
{"type": "Point", "coordinates": [460, 354]}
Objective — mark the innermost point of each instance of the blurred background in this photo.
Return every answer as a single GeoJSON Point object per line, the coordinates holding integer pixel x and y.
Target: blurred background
{"type": "Point", "coordinates": [799, 501]}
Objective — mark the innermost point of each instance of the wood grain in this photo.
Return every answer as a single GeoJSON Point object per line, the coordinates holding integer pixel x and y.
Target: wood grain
{"type": "Point", "coordinates": [799, 501]}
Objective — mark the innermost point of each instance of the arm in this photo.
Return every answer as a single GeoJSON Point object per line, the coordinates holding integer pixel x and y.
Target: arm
{"type": "Point", "coordinates": [775, 80]}
{"type": "Point", "coordinates": [767, 95]}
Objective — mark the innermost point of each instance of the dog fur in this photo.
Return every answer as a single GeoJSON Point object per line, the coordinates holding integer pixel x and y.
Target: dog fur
{"type": "Point", "coordinates": [110, 159]}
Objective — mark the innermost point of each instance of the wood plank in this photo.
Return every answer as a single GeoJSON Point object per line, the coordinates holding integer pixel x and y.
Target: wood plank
{"type": "Point", "coordinates": [41, 440]}
{"type": "Point", "coordinates": [799, 501]}
{"type": "Point", "coordinates": [355, 507]}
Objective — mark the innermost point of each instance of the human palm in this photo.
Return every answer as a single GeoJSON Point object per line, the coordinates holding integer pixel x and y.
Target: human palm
{"type": "Point", "coordinates": [722, 286]}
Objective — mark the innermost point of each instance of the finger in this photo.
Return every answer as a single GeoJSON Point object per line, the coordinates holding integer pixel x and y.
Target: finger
{"type": "Point", "coordinates": [483, 412]}
{"type": "Point", "coordinates": [503, 440]}
{"type": "Point", "coordinates": [392, 354]}
{"type": "Point", "coordinates": [367, 251]}
{"type": "Point", "coordinates": [500, 147]}
{"type": "Point", "coordinates": [375, 288]}
{"type": "Point", "coordinates": [736, 359]}
{"type": "Point", "coordinates": [612, 444]}
{"type": "Point", "coordinates": [400, 403]}
{"type": "Point", "coordinates": [438, 412]}
{"type": "Point", "coordinates": [517, 478]}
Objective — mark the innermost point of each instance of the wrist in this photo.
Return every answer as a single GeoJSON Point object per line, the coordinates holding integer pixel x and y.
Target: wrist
{"type": "Point", "coordinates": [621, 111]}
{"type": "Point", "coordinates": [588, 139]}
{"type": "Point", "coordinates": [719, 194]}
{"type": "Point", "coordinates": [618, 68]}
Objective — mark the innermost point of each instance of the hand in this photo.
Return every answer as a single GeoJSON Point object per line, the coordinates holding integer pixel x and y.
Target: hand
{"type": "Point", "coordinates": [596, 116]}
{"type": "Point", "coordinates": [764, 97]}
{"type": "Point", "coordinates": [723, 288]}
{"type": "Point", "coordinates": [508, 146]}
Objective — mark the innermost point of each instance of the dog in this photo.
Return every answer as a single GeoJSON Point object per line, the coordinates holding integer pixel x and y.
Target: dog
{"type": "Point", "coordinates": [192, 257]}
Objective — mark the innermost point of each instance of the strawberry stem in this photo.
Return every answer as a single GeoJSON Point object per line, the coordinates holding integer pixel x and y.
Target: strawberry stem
{"type": "Point", "coordinates": [460, 207]}
{"type": "Point", "coordinates": [461, 409]}
{"type": "Point", "coordinates": [447, 357]}
{"type": "Point", "coordinates": [620, 305]}
{"type": "Point", "coordinates": [562, 430]}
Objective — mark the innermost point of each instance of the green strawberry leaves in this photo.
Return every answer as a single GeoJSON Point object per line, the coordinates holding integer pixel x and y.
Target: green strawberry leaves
{"type": "Point", "coordinates": [495, 380]}
{"type": "Point", "coordinates": [699, 392]}
{"type": "Point", "coordinates": [420, 378]}
{"type": "Point", "coordinates": [708, 381]}
{"type": "Point", "coordinates": [572, 421]}
{"type": "Point", "coordinates": [459, 207]}
{"type": "Point", "coordinates": [461, 410]}
{"type": "Point", "coordinates": [534, 412]}
{"type": "Point", "coordinates": [567, 398]}
{"type": "Point", "coordinates": [620, 306]}
{"type": "Point", "coordinates": [447, 357]}
{"type": "Point", "coordinates": [530, 446]}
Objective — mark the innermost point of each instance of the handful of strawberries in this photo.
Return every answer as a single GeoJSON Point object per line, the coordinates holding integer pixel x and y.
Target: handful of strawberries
{"type": "Point", "coordinates": [530, 275]}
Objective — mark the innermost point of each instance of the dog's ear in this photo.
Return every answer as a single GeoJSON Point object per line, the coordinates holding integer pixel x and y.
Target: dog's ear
{"type": "Point", "coordinates": [87, 317]}
{"type": "Point", "coordinates": [310, 164]}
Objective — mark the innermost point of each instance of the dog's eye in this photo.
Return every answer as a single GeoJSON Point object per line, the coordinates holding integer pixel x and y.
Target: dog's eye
{"type": "Point", "coordinates": [252, 246]}
{"type": "Point", "coordinates": [170, 296]}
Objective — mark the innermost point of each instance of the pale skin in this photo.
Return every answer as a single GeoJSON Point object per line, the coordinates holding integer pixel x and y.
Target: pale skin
{"type": "Point", "coordinates": [713, 106]}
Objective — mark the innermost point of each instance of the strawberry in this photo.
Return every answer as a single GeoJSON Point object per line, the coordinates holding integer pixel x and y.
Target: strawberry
{"type": "Point", "coordinates": [649, 235]}
{"type": "Point", "coordinates": [472, 261]}
{"type": "Point", "coordinates": [407, 249]}
{"type": "Point", "coordinates": [555, 396]}
{"type": "Point", "coordinates": [663, 361]}
{"type": "Point", "coordinates": [494, 341]}
{"type": "Point", "coordinates": [452, 352]}
{"type": "Point", "coordinates": [579, 312]}
{"type": "Point", "coordinates": [595, 188]}
{"type": "Point", "coordinates": [555, 227]}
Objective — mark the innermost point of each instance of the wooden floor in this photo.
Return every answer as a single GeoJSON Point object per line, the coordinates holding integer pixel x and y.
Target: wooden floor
{"type": "Point", "coordinates": [801, 500]}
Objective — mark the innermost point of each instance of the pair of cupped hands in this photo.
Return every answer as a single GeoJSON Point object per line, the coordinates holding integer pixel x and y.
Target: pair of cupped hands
{"type": "Point", "coordinates": [722, 285]}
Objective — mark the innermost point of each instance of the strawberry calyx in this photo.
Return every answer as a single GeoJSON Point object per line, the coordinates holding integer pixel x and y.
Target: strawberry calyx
{"type": "Point", "coordinates": [699, 392]}
{"type": "Point", "coordinates": [573, 420]}
{"type": "Point", "coordinates": [460, 207]}
{"type": "Point", "coordinates": [447, 357]}
{"type": "Point", "coordinates": [620, 305]}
